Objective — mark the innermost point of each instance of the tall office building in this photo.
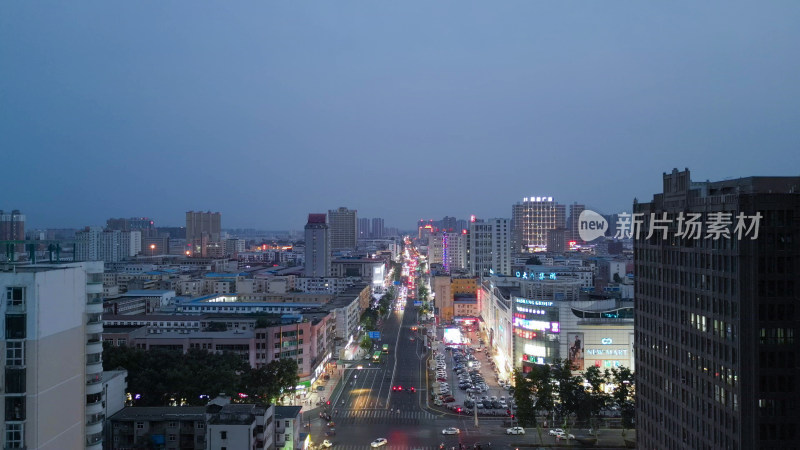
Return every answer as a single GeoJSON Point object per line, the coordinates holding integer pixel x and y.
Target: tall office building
{"type": "Point", "coordinates": [377, 228]}
{"type": "Point", "coordinates": [573, 233]}
{"type": "Point", "coordinates": [717, 320]}
{"type": "Point", "coordinates": [490, 246]}
{"type": "Point", "coordinates": [12, 228]}
{"type": "Point", "coordinates": [344, 228]}
{"type": "Point", "coordinates": [557, 240]}
{"type": "Point", "coordinates": [203, 231]}
{"type": "Point", "coordinates": [318, 247]}
{"type": "Point", "coordinates": [363, 228]}
{"type": "Point", "coordinates": [52, 380]}
{"type": "Point", "coordinates": [530, 220]}
{"type": "Point", "coordinates": [145, 225]}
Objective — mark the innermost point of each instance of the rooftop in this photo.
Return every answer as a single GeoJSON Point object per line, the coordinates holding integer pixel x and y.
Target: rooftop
{"type": "Point", "coordinates": [147, 293]}
{"type": "Point", "coordinates": [287, 412]}
{"type": "Point", "coordinates": [142, 413]}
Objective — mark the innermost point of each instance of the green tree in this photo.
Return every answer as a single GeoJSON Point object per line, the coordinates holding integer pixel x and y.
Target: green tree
{"type": "Point", "coordinates": [366, 342]}
{"type": "Point", "coordinates": [569, 388]}
{"type": "Point", "coordinates": [523, 399]}
{"type": "Point", "coordinates": [617, 279]}
{"type": "Point", "coordinates": [623, 395]}
{"type": "Point", "coordinates": [216, 326]}
{"type": "Point", "coordinates": [595, 398]}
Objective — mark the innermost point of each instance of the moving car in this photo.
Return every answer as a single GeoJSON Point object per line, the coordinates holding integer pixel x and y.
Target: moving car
{"type": "Point", "coordinates": [515, 430]}
{"type": "Point", "coordinates": [327, 444]}
{"type": "Point", "coordinates": [555, 432]}
{"type": "Point", "coordinates": [380, 442]}
{"type": "Point", "coordinates": [451, 430]}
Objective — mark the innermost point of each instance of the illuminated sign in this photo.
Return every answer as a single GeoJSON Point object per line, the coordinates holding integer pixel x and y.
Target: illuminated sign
{"type": "Point", "coordinates": [534, 350]}
{"type": "Point", "coordinates": [531, 311]}
{"type": "Point", "coordinates": [531, 324]}
{"type": "Point", "coordinates": [525, 334]}
{"type": "Point", "coordinates": [606, 363]}
{"type": "Point", "coordinates": [555, 327]}
{"type": "Point", "coordinates": [534, 302]}
{"type": "Point", "coordinates": [603, 352]}
{"type": "Point", "coordinates": [606, 341]}
{"type": "Point", "coordinates": [535, 275]}
{"type": "Point", "coordinates": [533, 359]}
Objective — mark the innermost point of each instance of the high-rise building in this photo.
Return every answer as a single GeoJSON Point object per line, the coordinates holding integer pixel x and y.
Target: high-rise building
{"type": "Point", "coordinates": [95, 244]}
{"type": "Point", "coordinates": [203, 230]}
{"type": "Point", "coordinates": [12, 228]}
{"type": "Point", "coordinates": [530, 220]}
{"type": "Point", "coordinates": [557, 240]}
{"type": "Point", "coordinates": [490, 247]}
{"type": "Point", "coordinates": [53, 385]}
{"type": "Point", "coordinates": [318, 247]}
{"type": "Point", "coordinates": [363, 228]}
{"type": "Point", "coordinates": [344, 228]}
{"type": "Point", "coordinates": [143, 224]}
{"type": "Point", "coordinates": [377, 228]}
{"type": "Point", "coordinates": [717, 320]}
{"type": "Point", "coordinates": [573, 234]}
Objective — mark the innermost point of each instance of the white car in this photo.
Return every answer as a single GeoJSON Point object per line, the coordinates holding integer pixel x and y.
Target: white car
{"type": "Point", "coordinates": [380, 442]}
{"type": "Point", "coordinates": [451, 430]}
{"type": "Point", "coordinates": [327, 444]}
{"type": "Point", "coordinates": [515, 430]}
{"type": "Point", "coordinates": [555, 432]}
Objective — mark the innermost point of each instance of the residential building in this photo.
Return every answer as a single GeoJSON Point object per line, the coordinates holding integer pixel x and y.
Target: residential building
{"type": "Point", "coordinates": [163, 427]}
{"type": "Point", "coordinates": [12, 228]}
{"type": "Point", "coordinates": [240, 427]}
{"type": "Point", "coordinates": [716, 314]}
{"type": "Point", "coordinates": [344, 228]}
{"type": "Point", "coordinates": [377, 231]}
{"type": "Point", "coordinates": [530, 220]}
{"type": "Point", "coordinates": [203, 232]}
{"type": "Point", "coordinates": [95, 244]}
{"type": "Point", "coordinates": [288, 422]}
{"type": "Point", "coordinates": [363, 228]}
{"type": "Point", "coordinates": [573, 232]}
{"type": "Point", "coordinates": [52, 390]}
{"type": "Point", "coordinates": [489, 246]}
{"type": "Point", "coordinates": [318, 247]}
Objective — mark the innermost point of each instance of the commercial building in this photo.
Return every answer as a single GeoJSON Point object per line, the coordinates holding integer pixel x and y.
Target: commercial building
{"type": "Point", "coordinates": [717, 319]}
{"type": "Point", "coordinates": [557, 240]}
{"type": "Point", "coordinates": [203, 232]}
{"type": "Point", "coordinates": [530, 220]}
{"type": "Point", "coordinates": [344, 228]}
{"type": "Point", "coordinates": [52, 379]}
{"type": "Point", "coordinates": [318, 247]}
{"type": "Point", "coordinates": [489, 247]}
{"type": "Point", "coordinates": [573, 232]}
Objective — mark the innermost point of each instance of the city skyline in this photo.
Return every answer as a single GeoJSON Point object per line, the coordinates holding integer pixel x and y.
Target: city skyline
{"type": "Point", "coordinates": [291, 109]}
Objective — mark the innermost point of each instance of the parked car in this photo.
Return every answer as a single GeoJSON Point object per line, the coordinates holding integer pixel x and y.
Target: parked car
{"type": "Point", "coordinates": [555, 432]}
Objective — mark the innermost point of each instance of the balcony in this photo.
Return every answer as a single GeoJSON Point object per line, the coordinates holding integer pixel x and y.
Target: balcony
{"type": "Point", "coordinates": [94, 327]}
{"type": "Point", "coordinates": [94, 308]}
{"type": "Point", "coordinates": [94, 428]}
{"type": "Point", "coordinates": [94, 440]}
{"type": "Point", "coordinates": [94, 347]}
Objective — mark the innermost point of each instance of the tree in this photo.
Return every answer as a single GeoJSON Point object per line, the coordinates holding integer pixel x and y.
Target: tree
{"type": "Point", "coordinates": [570, 390]}
{"type": "Point", "coordinates": [523, 399]}
{"type": "Point", "coordinates": [216, 326]}
{"type": "Point", "coordinates": [366, 342]}
{"type": "Point", "coordinates": [617, 279]}
{"type": "Point", "coordinates": [595, 398]}
{"type": "Point", "coordinates": [623, 395]}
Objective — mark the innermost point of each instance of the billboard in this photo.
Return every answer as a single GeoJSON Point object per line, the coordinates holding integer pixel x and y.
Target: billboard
{"type": "Point", "coordinates": [452, 336]}
{"type": "Point", "coordinates": [575, 350]}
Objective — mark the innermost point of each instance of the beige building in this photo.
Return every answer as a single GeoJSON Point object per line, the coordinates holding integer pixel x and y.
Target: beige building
{"type": "Point", "coordinates": [53, 375]}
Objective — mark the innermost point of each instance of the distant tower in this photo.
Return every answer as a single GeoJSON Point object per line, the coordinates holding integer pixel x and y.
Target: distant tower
{"type": "Point", "coordinates": [377, 227]}
{"type": "Point", "coordinates": [12, 228]}
{"type": "Point", "coordinates": [575, 211]}
{"type": "Point", "coordinates": [530, 220]}
{"type": "Point", "coordinates": [344, 228]}
{"type": "Point", "coordinates": [318, 247]}
{"type": "Point", "coordinates": [203, 230]}
{"type": "Point", "coordinates": [363, 228]}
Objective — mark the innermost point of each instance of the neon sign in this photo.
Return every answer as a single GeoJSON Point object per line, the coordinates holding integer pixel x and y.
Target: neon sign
{"type": "Point", "coordinates": [534, 302]}
{"type": "Point", "coordinates": [602, 352]}
{"type": "Point", "coordinates": [606, 341]}
{"type": "Point", "coordinates": [536, 275]}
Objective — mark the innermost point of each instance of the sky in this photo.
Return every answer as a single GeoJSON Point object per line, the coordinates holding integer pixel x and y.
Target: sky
{"type": "Point", "coordinates": [266, 111]}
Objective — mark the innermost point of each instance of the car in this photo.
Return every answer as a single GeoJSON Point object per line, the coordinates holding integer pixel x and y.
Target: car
{"type": "Point", "coordinates": [449, 399]}
{"type": "Point", "coordinates": [411, 389]}
{"type": "Point", "coordinates": [555, 432]}
{"type": "Point", "coordinates": [380, 442]}
{"type": "Point", "coordinates": [397, 388]}
{"type": "Point", "coordinates": [327, 444]}
{"type": "Point", "coordinates": [451, 430]}
{"type": "Point", "coordinates": [515, 430]}
{"type": "Point", "coordinates": [438, 402]}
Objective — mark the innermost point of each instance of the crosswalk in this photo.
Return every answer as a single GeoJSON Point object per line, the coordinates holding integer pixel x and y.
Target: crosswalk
{"type": "Point", "coordinates": [382, 416]}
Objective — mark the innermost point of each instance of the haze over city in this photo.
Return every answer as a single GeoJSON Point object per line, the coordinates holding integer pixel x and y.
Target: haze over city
{"type": "Point", "coordinates": [405, 110]}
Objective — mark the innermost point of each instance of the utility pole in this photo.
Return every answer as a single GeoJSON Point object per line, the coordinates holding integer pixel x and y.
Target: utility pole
{"type": "Point", "coordinates": [475, 410]}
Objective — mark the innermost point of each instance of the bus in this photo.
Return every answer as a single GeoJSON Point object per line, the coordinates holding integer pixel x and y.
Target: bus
{"type": "Point", "coordinates": [376, 356]}
{"type": "Point", "coordinates": [385, 348]}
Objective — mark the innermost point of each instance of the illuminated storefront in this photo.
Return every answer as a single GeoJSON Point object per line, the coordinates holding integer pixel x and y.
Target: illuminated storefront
{"type": "Point", "coordinates": [536, 332]}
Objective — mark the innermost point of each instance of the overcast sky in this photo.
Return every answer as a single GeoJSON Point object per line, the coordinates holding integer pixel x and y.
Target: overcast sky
{"type": "Point", "coordinates": [269, 110]}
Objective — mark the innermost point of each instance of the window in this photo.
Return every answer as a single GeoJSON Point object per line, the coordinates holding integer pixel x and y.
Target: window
{"type": "Point", "coordinates": [15, 353]}
{"type": "Point", "coordinates": [223, 435]}
{"type": "Point", "coordinates": [15, 297]}
{"type": "Point", "coordinates": [172, 438]}
{"type": "Point", "coordinates": [139, 425]}
{"type": "Point", "coordinates": [288, 437]}
{"type": "Point", "coordinates": [286, 423]}
{"type": "Point", "coordinates": [200, 425]}
{"type": "Point", "coordinates": [172, 424]}
{"type": "Point", "coordinates": [14, 435]}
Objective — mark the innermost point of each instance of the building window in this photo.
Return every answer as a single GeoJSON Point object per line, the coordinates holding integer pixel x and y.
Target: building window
{"type": "Point", "coordinates": [223, 435]}
{"type": "Point", "coordinates": [139, 425]}
{"type": "Point", "coordinates": [286, 424]}
{"type": "Point", "coordinates": [172, 424]}
{"type": "Point", "coordinates": [14, 435]}
{"type": "Point", "coordinates": [15, 297]}
{"type": "Point", "coordinates": [287, 438]}
{"type": "Point", "coordinates": [15, 353]}
{"type": "Point", "coordinates": [200, 425]}
{"type": "Point", "coordinates": [172, 438]}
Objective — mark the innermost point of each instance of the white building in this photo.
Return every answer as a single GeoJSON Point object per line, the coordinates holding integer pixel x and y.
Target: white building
{"type": "Point", "coordinates": [53, 390]}
{"type": "Point", "coordinates": [288, 421]}
{"type": "Point", "coordinates": [94, 244]}
{"type": "Point", "coordinates": [241, 427]}
{"type": "Point", "coordinates": [490, 246]}
{"type": "Point", "coordinates": [344, 228]}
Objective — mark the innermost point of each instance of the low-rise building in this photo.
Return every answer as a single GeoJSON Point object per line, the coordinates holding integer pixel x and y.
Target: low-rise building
{"type": "Point", "coordinates": [240, 427]}
{"type": "Point", "coordinates": [288, 420]}
{"type": "Point", "coordinates": [164, 427]}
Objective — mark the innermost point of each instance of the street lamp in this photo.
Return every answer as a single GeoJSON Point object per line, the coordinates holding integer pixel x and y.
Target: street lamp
{"type": "Point", "coordinates": [152, 249]}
